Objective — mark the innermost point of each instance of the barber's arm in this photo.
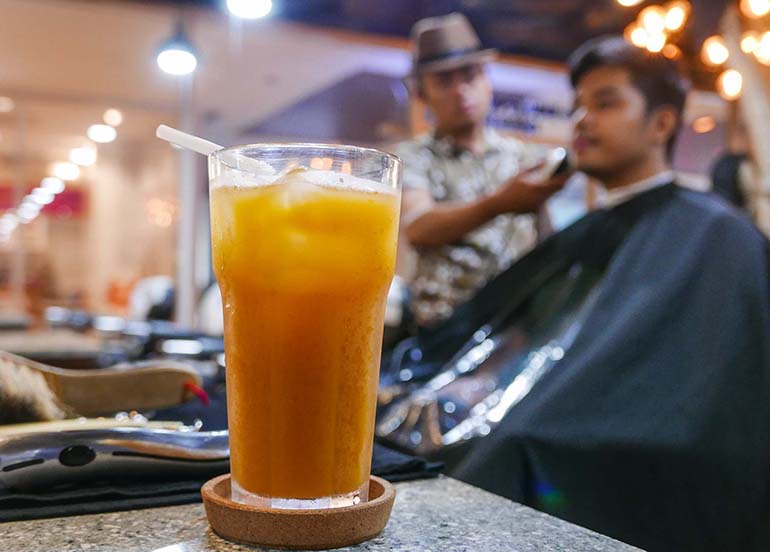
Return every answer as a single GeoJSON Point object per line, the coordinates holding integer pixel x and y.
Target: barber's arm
{"type": "Point", "coordinates": [428, 223]}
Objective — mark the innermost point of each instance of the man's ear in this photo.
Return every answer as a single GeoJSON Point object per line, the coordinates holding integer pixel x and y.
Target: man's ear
{"type": "Point", "coordinates": [665, 121]}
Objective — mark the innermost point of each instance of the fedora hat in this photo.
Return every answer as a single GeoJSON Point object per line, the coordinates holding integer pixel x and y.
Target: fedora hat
{"type": "Point", "coordinates": [446, 42]}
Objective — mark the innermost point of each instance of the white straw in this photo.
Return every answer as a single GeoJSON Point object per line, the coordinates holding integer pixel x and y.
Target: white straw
{"type": "Point", "coordinates": [187, 141]}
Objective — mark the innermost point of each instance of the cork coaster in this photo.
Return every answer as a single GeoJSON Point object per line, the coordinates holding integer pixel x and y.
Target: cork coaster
{"type": "Point", "coordinates": [297, 529]}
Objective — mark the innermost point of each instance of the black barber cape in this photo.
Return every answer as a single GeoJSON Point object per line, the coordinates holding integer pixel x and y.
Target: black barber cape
{"type": "Point", "coordinates": [653, 428]}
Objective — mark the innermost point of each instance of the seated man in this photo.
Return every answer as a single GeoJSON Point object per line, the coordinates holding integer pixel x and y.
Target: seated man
{"type": "Point", "coordinates": [654, 426]}
{"type": "Point", "coordinates": [466, 209]}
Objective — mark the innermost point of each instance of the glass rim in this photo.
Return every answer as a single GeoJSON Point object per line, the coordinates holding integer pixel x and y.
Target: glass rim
{"type": "Point", "coordinates": [307, 146]}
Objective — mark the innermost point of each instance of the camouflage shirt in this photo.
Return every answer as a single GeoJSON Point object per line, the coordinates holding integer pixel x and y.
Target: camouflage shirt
{"type": "Point", "coordinates": [450, 274]}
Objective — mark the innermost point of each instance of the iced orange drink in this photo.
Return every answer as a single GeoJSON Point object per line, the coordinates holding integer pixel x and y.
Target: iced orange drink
{"type": "Point", "coordinates": [304, 259]}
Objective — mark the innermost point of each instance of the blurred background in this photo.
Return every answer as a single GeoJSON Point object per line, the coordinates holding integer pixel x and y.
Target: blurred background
{"type": "Point", "coordinates": [93, 203]}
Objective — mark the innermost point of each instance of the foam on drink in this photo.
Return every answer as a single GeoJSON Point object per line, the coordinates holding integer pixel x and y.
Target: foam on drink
{"type": "Point", "coordinates": [299, 175]}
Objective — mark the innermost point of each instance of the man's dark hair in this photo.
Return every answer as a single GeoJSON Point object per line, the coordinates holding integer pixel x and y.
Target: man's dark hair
{"type": "Point", "coordinates": [655, 76]}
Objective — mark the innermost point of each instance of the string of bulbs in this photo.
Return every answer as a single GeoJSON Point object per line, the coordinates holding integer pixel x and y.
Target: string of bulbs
{"type": "Point", "coordinates": [657, 28]}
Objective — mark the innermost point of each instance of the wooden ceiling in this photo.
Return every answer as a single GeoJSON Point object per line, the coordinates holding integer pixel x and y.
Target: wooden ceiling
{"type": "Point", "coordinates": [65, 61]}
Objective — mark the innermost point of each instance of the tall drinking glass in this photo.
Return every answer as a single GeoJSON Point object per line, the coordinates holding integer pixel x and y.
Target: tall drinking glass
{"type": "Point", "coordinates": [304, 248]}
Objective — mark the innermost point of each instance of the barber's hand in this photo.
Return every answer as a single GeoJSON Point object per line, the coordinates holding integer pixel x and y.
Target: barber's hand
{"type": "Point", "coordinates": [524, 194]}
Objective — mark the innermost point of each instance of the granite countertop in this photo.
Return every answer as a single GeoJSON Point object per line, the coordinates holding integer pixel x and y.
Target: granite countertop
{"type": "Point", "coordinates": [433, 515]}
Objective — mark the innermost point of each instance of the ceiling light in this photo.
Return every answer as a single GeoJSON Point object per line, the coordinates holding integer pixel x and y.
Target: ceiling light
{"type": "Point", "coordinates": [113, 117]}
{"type": "Point", "coordinates": [676, 15]}
{"type": "Point", "coordinates": [66, 171]}
{"type": "Point", "coordinates": [705, 124]}
{"type": "Point", "coordinates": [672, 51]}
{"type": "Point", "coordinates": [755, 8]}
{"type": "Point", "coordinates": [177, 62]}
{"type": "Point", "coordinates": [749, 42]}
{"type": "Point", "coordinates": [653, 19]}
{"type": "Point", "coordinates": [730, 84]}
{"type": "Point", "coordinates": [656, 42]}
{"type": "Point", "coordinates": [28, 211]}
{"type": "Point", "coordinates": [102, 134]}
{"type": "Point", "coordinates": [177, 56]}
{"type": "Point", "coordinates": [42, 196]}
{"type": "Point", "coordinates": [251, 9]}
{"type": "Point", "coordinates": [29, 201]}
{"type": "Point", "coordinates": [8, 223]}
{"type": "Point", "coordinates": [762, 51]}
{"type": "Point", "coordinates": [6, 104]}
{"type": "Point", "coordinates": [714, 51]}
{"type": "Point", "coordinates": [85, 156]}
{"type": "Point", "coordinates": [52, 184]}
{"type": "Point", "coordinates": [636, 35]}
{"type": "Point", "coordinates": [629, 3]}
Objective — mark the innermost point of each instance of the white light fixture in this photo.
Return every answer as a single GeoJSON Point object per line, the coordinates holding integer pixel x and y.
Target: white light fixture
{"type": "Point", "coordinates": [113, 117]}
{"type": "Point", "coordinates": [629, 3]}
{"type": "Point", "coordinates": [254, 9]}
{"type": "Point", "coordinates": [6, 104]}
{"type": "Point", "coordinates": [177, 56]}
{"type": "Point", "coordinates": [52, 184]}
{"type": "Point", "coordinates": [85, 156]}
{"type": "Point", "coordinates": [101, 134]}
{"type": "Point", "coordinates": [66, 171]}
{"type": "Point", "coordinates": [730, 84]}
{"type": "Point", "coordinates": [177, 62]}
{"type": "Point", "coordinates": [42, 196]}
